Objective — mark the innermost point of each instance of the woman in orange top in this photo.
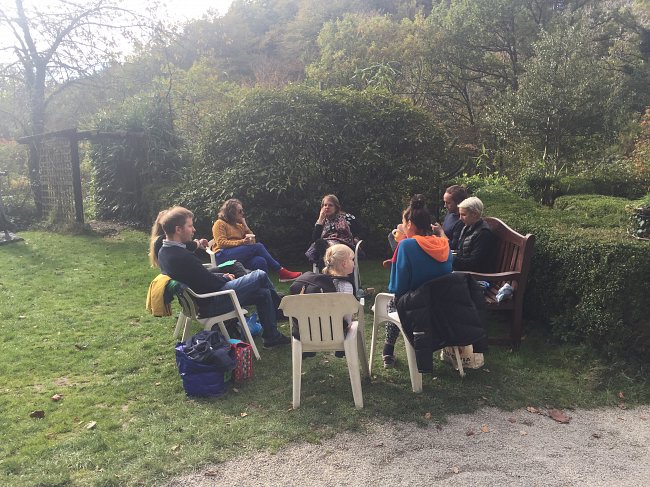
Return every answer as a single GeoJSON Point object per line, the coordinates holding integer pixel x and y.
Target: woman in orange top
{"type": "Point", "coordinates": [233, 240]}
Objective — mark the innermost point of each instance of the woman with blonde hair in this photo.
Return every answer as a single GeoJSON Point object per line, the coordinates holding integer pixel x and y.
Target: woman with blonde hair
{"type": "Point", "coordinates": [477, 244]}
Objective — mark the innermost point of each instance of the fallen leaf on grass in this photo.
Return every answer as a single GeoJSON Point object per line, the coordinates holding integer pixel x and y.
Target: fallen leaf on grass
{"type": "Point", "coordinates": [558, 416]}
{"type": "Point", "coordinates": [512, 420]}
{"type": "Point", "coordinates": [21, 317]}
{"type": "Point", "coordinates": [377, 445]}
{"type": "Point", "coordinates": [485, 428]}
{"type": "Point", "coordinates": [211, 473]}
{"type": "Point", "coordinates": [643, 418]}
{"type": "Point", "coordinates": [621, 395]}
{"type": "Point", "coordinates": [622, 405]}
{"type": "Point", "coordinates": [427, 415]}
{"type": "Point", "coordinates": [38, 414]}
{"type": "Point", "coordinates": [235, 390]}
{"type": "Point", "coordinates": [176, 447]}
{"type": "Point", "coordinates": [91, 425]}
{"type": "Point", "coordinates": [523, 433]}
{"type": "Point", "coordinates": [486, 370]}
{"type": "Point", "coordinates": [243, 415]}
{"type": "Point", "coordinates": [455, 469]}
{"type": "Point", "coordinates": [57, 397]}
{"type": "Point", "coordinates": [533, 410]}
{"type": "Point", "coordinates": [157, 384]}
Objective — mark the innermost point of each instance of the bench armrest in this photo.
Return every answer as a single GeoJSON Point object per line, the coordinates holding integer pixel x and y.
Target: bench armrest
{"type": "Point", "coordinates": [497, 276]}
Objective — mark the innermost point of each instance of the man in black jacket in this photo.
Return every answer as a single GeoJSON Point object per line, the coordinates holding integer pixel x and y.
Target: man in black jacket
{"type": "Point", "coordinates": [181, 265]}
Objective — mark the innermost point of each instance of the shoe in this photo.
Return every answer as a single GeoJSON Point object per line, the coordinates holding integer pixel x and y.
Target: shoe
{"type": "Point", "coordinates": [389, 361]}
{"type": "Point", "coordinates": [286, 275]}
{"type": "Point", "coordinates": [277, 340]}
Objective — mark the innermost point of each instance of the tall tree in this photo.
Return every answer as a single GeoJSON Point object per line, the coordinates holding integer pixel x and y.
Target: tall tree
{"type": "Point", "coordinates": [54, 46]}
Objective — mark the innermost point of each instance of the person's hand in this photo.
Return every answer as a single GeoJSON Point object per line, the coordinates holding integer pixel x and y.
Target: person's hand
{"type": "Point", "coordinates": [249, 239]}
{"type": "Point", "coordinates": [230, 277]}
{"type": "Point", "coordinates": [322, 216]}
{"type": "Point", "coordinates": [437, 230]}
{"type": "Point", "coordinates": [202, 243]}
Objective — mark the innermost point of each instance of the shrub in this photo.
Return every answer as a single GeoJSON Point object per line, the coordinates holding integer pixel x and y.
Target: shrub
{"type": "Point", "coordinates": [281, 151]}
{"type": "Point", "coordinates": [588, 281]}
{"type": "Point", "coordinates": [133, 173]}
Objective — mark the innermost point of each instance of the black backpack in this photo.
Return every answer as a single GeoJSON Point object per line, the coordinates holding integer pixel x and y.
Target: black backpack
{"type": "Point", "coordinates": [310, 282]}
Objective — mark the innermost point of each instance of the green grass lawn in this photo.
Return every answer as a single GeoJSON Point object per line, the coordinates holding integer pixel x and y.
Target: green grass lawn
{"type": "Point", "coordinates": [73, 322]}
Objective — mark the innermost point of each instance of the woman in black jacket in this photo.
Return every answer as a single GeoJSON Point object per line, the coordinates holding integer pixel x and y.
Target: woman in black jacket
{"type": "Point", "coordinates": [477, 244]}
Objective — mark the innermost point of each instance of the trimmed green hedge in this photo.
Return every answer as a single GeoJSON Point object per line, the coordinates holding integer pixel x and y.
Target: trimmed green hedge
{"type": "Point", "coordinates": [589, 279]}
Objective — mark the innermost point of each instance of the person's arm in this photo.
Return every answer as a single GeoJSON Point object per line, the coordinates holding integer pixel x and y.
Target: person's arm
{"type": "Point", "coordinates": [400, 271]}
{"type": "Point", "coordinates": [316, 232]}
{"type": "Point", "coordinates": [481, 257]}
{"type": "Point", "coordinates": [182, 265]}
{"type": "Point", "coordinates": [220, 234]}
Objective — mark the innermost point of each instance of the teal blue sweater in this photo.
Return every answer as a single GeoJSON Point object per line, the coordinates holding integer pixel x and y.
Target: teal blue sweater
{"type": "Point", "coordinates": [413, 267]}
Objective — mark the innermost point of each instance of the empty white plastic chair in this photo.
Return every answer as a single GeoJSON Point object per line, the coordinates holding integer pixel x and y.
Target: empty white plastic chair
{"type": "Point", "coordinates": [189, 313]}
{"type": "Point", "coordinates": [320, 324]}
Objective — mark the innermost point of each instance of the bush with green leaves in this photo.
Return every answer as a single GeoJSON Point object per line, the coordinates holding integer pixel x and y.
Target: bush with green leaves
{"type": "Point", "coordinates": [280, 151]}
{"type": "Point", "coordinates": [589, 279]}
{"type": "Point", "coordinates": [134, 172]}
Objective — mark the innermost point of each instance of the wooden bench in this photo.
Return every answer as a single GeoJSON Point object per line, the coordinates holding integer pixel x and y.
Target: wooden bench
{"type": "Point", "coordinates": [514, 255]}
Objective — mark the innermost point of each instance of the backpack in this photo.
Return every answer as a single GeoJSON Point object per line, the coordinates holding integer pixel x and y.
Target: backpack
{"type": "Point", "coordinates": [310, 282]}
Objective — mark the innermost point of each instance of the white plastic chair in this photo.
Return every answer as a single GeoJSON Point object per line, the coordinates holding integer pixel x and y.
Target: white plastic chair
{"type": "Point", "coordinates": [382, 316]}
{"type": "Point", "coordinates": [188, 313]}
{"type": "Point", "coordinates": [320, 324]}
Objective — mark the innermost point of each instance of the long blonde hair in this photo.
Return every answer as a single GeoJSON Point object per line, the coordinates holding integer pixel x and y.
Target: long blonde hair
{"type": "Point", "coordinates": [334, 258]}
{"type": "Point", "coordinates": [156, 231]}
{"type": "Point", "coordinates": [169, 219]}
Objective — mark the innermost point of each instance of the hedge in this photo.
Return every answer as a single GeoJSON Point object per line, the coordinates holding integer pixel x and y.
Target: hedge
{"type": "Point", "coordinates": [589, 279]}
{"type": "Point", "coordinates": [280, 151]}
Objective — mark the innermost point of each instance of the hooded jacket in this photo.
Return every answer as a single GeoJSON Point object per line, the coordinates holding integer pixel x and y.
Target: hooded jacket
{"type": "Point", "coordinates": [441, 313]}
{"type": "Point", "coordinates": [418, 260]}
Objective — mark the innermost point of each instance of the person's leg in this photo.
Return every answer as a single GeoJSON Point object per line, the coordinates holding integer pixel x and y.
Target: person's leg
{"type": "Point", "coordinates": [256, 289]}
{"type": "Point", "coordinates": [242, 253]}
{"type": "Point", "coordinates": [392, 333]}
{"type": "Point", "coordinates": [260, 251]}
{"type": "Point", "coordinates": [258, 263]}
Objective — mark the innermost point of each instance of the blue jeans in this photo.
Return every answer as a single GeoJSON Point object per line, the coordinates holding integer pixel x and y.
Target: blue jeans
{"type": "Point", "coordinates": [254, 289]}
{"type": "Point", "coordinates": [253, 257]}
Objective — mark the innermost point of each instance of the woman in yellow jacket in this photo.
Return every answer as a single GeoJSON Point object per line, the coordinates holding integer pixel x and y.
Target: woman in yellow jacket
{"type": "Point", "coordinates": [233, 240]}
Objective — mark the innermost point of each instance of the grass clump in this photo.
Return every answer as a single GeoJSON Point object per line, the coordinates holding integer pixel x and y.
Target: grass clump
{"type": "Point", "coordinates": [73, 322]}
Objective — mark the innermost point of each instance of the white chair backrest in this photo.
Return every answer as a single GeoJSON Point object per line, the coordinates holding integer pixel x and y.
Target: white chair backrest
{"type": "Point", "coordinates": [320, 316]}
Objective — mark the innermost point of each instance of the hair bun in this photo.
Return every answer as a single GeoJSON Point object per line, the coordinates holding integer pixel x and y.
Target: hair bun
{"type": "Point", "coordinates": [417, 202]}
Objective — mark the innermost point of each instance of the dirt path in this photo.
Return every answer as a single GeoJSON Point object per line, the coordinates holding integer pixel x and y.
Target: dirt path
{"type": "Point", "coordinates": [607, 447]}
